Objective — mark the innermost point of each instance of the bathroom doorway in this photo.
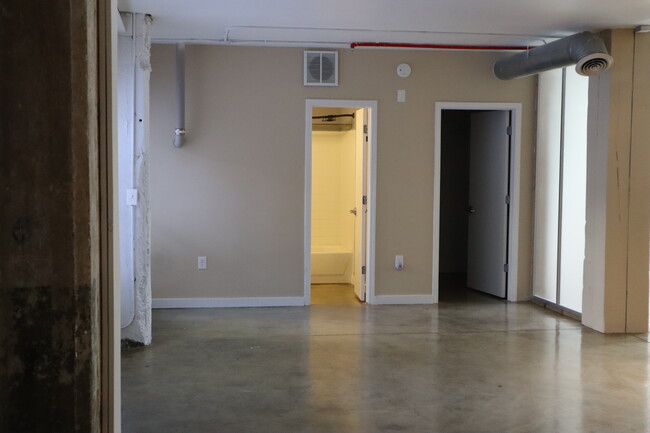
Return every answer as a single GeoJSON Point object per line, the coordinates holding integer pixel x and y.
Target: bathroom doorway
{"type": "Point", "coordinates": [338, 211]}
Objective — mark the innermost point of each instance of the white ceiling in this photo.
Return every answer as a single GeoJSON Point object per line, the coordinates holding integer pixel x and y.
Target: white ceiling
{"type": "Point", "coordinates": [309, 22]}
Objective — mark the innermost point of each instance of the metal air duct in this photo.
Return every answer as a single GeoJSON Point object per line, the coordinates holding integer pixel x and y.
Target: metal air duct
{"type": "Point", "coordinates": [585, 50]}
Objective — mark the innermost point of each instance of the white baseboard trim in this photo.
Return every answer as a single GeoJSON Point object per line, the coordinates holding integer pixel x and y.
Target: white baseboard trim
{"type": "Point", "coordinates": [227, 302]}
{"type": "Point", "coordinates": [402, 299]}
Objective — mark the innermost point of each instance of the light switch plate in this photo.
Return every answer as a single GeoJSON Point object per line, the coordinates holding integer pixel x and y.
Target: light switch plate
{"type": "Point", "coordinates": [401, 96]}
{"type": "Point", "coordinates": [399, 263]}
{"type": "Point", "coordinates": [202, 262]}
{"type": "Point", "coordinates": [131, 197]}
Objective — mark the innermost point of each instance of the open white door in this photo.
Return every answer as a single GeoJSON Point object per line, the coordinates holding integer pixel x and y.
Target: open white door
{"type": "Point", "coordinates": [488, 208]}
{"type": "Point", "coordinates": [361, 153]}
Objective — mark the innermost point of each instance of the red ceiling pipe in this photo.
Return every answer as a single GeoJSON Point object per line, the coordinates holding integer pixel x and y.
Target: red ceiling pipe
{"type": "Point", "coordinates": [441, 46]}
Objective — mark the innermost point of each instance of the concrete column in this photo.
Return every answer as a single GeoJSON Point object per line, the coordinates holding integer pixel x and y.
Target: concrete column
{"type": "Point", "coordinates": [135, 225]}
{"type": "Point", "coordinates": [615, 297]}
{"type": "Point", "coordinates": [639, 218]}
{"type": "Point", "coordinates": [49, 228]}
{"type": "Point", "coordinates": [141, 328]}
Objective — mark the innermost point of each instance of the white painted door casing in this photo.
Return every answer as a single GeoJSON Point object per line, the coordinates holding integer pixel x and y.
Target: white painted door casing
{"type": "Point", "coordinates": [359, 279]}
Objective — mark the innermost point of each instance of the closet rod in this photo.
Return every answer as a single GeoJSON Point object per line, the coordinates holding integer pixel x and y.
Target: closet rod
{"type": "Point", "coordinates": [331, 117]}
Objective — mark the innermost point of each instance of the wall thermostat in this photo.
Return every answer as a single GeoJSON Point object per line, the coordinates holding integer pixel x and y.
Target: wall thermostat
{"type": "Point", "coordinates": [403, 70]}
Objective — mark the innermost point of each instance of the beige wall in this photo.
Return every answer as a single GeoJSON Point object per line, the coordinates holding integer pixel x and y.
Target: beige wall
{"type": "Point", "coordinates": [235, 192]}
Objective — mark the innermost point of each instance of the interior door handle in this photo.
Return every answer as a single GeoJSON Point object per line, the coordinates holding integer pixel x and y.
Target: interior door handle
{"type": "Point", "coordinates": [353, 211]}
{"type": "Point", "coordinates": [471, 210]}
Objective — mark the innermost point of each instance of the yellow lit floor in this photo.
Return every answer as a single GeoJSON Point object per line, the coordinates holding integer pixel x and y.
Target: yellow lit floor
{"type": "Point", "coordinates": [333, 294]}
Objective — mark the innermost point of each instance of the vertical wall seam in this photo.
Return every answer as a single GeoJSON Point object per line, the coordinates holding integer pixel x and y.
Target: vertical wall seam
{"type": "Point", "coordinates": [629, 186]}
{"type": "Point", "coordinates": [558, 271]}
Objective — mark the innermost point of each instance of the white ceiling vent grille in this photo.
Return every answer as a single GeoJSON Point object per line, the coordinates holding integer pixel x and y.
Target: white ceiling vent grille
{"type": "Point", "coordinates": [321, 68]}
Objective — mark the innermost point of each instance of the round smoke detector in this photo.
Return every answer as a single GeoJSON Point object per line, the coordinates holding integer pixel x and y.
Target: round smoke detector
{"type": "Point", "coordinates": [403, 70]}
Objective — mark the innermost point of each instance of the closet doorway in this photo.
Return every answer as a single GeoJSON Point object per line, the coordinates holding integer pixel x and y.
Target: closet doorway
{"type": "Point", "coordinates": [481, 197]}
{"type": "Point", "coordinates": [339, 205]}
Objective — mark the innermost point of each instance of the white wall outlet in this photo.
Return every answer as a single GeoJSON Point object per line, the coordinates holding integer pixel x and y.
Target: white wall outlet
{"type": "Point", "coordinates": [401, 96]}
{"type": "Point", "coordinates": [131, 197]}
{"type": "Point", "coordinates": [203, 262]}
{"type": "Point", "coordinates": [399, 263]}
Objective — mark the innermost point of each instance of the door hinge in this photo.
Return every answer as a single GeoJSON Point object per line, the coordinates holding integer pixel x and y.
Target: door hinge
{"type": "Point", "coordinates": [507, 199]}
{"type": "Point", "coordinates": [506, 268]}
{"type": "Point", "coordinates": [509, 130]}
{"type": "Point", "coordinates": [365, 199]}
{"type": "Point", "coordinates": [365, 129]}
{"type": "Point", "coordinates": [363, 270]}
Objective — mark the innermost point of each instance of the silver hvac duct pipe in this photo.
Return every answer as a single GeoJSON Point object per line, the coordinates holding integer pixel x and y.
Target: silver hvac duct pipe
{"type": "Point", "coordinates": [586, 50]}
{"type": "Point", "coordinates": [179, 132]}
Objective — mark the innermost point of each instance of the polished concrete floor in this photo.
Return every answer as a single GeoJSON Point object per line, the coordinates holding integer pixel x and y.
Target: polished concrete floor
{"type": "Point", "coordinates": [473, 363]}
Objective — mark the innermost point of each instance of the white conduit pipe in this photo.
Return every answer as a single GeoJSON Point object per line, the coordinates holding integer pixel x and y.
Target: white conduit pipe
{"type": "Point", "coordinates": [179, 132]}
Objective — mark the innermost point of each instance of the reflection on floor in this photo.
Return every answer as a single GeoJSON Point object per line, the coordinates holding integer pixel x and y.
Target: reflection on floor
{"type": "Point", "coordinates": [333, 294]}
{"type": "Point", "coordinates": [482, 365]}
{"type": "Point", "coordinates": [453, 288]}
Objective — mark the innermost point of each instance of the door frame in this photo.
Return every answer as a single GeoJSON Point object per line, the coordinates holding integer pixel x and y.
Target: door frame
{"type": "Point", "coordinates": [371, 178]}
{"type": "Point", "coordinates": [110, 396]}
{"type": "Point", "coordinates": [514, 187]}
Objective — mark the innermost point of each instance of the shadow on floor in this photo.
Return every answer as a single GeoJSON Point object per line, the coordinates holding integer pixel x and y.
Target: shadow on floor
{"type": "Point", "coordinates": [453, 289]}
